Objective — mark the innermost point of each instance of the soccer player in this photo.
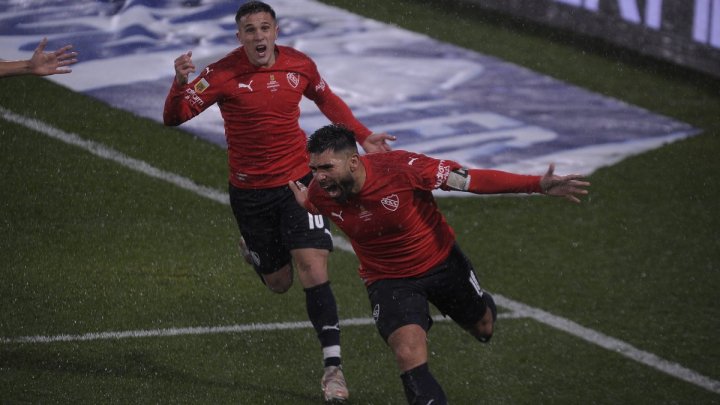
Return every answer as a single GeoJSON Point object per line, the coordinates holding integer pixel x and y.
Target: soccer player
{"type": "Point", "coordinates": [258, 88]}
{"type": "Point", "coordinates": [41, 63]}
{"type": "Point", "coordinates": [408, 254]}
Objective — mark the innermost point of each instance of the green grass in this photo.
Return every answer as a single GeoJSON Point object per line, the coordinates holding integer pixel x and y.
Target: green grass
{"type": "Point", "coordinates": [87, 245]}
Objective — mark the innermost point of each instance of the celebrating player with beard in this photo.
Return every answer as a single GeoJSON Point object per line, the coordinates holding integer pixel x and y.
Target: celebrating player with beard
{"type": "Point", "coordinates": [407, 251]}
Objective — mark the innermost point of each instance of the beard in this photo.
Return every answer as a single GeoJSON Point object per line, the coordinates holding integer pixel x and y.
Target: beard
{"type": "Point", "coordinates": [344, 188]}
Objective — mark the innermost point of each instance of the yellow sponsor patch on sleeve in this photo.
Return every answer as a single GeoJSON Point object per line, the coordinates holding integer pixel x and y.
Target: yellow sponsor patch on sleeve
{"type": "Point", "coordinates": [201, 85]}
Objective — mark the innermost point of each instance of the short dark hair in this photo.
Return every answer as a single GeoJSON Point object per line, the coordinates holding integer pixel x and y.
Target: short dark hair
{"type": "Point", "coordinates": [252, 7]}
{"type": "Point", "coordinates": [336, 138]}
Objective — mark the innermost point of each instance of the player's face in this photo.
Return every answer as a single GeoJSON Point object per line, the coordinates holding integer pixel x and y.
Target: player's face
{"type": "Point", "coordinates": [334, 173]}
{"type": "Point", "coordinates": [257, 34]}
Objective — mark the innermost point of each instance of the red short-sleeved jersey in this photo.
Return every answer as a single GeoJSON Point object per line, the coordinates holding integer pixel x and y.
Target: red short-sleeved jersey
{"type": "Point", "coordinates": [394, 224]}
{"type": "Point", "coordinates": [260, 108]}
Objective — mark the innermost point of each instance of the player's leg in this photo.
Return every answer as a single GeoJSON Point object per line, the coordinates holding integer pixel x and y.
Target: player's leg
{"type": "Point", "coordinates": [456, 292]}
{"type": "Point", "coordinates": [320, 301]}
{"type": "Point", "coordinates": [402, 317]}
{"type": "Point", "coordinates": [310, 243]}
{"type": "Point", "coordinates": [483, 329]}
{"type": "Point", "coordinates": [258, 217]}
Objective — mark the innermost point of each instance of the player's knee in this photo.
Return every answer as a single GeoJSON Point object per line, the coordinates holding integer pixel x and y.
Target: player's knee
{"type": "Point", "coordinates": [484, 328]}
{"type": "Point", "coordinates": [409, 345]}
{"type": "Point", "coordinates": [280, 281]}
{"type": "Point", "coordinates": [279, 287]}
{"type": "Point", "coordinates": [404, 352]}
{"type": "Point", "coordinates": [484, 331]}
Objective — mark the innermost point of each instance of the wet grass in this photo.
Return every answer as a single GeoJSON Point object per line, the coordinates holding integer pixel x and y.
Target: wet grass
{"type": "Point", "coordinates": [89, 246]}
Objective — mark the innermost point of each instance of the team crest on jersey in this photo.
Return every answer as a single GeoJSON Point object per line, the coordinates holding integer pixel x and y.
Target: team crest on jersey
{"type": "Point", "coordinates": [201, 85]}
{"type": "Point", "coordinates": [391, 202]}
{"type": "Point", "coordinates": [294, 79]}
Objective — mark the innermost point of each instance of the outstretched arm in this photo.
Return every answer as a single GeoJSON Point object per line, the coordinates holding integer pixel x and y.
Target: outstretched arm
{"type": "Point", "coordinates": [41, 63]}
{"type": "Point", "coordinates": [569, 187]}
{"type": "Point", "coordinates": [485, 181]}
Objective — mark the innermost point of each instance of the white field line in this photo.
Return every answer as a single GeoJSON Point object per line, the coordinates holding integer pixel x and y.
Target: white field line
{"type": "Point", "coordinates": [518, 309]}
{"type": "Point", "coordinates": [609, 343]}
{"type": "Point", "coordinates": [202, 330]}
{"type": "Point", "coordinates": [104, 152]}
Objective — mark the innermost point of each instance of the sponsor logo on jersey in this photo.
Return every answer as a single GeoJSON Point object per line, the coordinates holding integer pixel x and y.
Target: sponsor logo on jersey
{"type": "Point", "coordinates": [320, 86]}
{"type": "Point", "coordinates": [442, 174]}
{"type": "Point", "coordinates": [294, 79]}
{"type": "Point", "coordinates": [207, 71]}
{"type": "Point", "coordinates": [192, 97]}
{"type": "Point", "coordinates": [273, 85]}
{"type": "Point", "coordinates": [364, 214]}
{"type": "Point", "coordinates": [412, 160]}
{"type": "Point", "coordinates": [391, 202]}
{"type": "Point", "coordinates": [339, 216]}
{"type": "Point", "coordinates": [201, 85]}
{"type": "Point", "coordinates": [245, 86]}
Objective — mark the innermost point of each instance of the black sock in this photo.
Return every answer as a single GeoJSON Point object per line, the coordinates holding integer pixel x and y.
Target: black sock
{"type": "Point", "coordinates": [421, 387]}
{"type": "Point", "coordinates": [322, 311]}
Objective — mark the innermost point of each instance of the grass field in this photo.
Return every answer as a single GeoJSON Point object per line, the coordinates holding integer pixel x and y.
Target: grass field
{"type": "Point", "coordinates": [90, 246]}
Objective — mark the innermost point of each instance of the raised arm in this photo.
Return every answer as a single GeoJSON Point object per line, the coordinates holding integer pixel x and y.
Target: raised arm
{"type": "Point", "coordinates": [176, 110]}
{"type": "Point", "coordinates": [183, 67]}
{"type": "Point", "coordinates": [338, 112]}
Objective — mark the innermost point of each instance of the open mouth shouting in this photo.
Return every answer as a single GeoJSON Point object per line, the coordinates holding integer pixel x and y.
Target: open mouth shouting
{"type": "Point", "coordinates": [331, 188]}
{"type": "Point", "coordinates": [338, 190]}
{"type": "Point", "coordinates": [261, 51]}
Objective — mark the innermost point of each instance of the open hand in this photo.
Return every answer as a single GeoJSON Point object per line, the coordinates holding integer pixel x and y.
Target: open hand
{"type": "Point", "coordinates": [300, 191]}
{"type": "Point", "coordinates": [49, 63]}
{"type": "Point", "coordinates": [377, 142]}
{"type": "Point", "coordinates": [570, 187]}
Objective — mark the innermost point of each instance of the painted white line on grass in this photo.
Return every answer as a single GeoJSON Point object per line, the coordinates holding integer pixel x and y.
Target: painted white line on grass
{"type": "Point", "coordinates": [104, 152]}
{"type": "Point", "coordinates": [203, 330]}
{"type": "Point", "coordinates": [610, 343]}
{"type": "Point", "coordinates": [519, 309]}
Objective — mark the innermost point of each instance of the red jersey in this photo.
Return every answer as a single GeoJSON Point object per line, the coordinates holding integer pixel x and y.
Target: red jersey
{"type": "Point", "coordinates": [394, 224]}
{"type": "Point", "coordinates": [261, 107]}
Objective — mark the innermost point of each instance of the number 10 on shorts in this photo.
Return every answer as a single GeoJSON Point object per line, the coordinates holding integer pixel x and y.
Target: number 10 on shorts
{"type": "Point", "coordinates": [315, 221]}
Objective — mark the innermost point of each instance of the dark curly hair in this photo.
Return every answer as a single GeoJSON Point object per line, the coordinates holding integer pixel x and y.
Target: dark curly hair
{"type": "Point", "coordinates": [336, 138]}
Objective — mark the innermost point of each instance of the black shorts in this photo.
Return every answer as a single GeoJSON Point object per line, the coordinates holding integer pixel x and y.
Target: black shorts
{"type": "Point", "coordinates": [273, 223]}
{"type": "Point", "coordinates": [451, 287]}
